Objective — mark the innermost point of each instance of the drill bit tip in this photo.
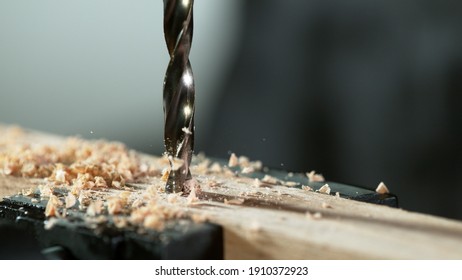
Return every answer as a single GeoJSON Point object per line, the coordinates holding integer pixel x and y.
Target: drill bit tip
{"type": "Point", "coordinates": [179, 92]}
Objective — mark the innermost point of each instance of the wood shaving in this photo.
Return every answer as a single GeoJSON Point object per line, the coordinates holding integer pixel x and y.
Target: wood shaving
{"type": "Point", "coordinates": [233, 160]}
{"type": "Point", "coordinates": [176, 163]}
{"type": "Point", "coordinates": [100, 182]}
{"type": "Point", "coordinates": [244, 163]}
{"type": "Point", "coordinates": [190, 185]}
{"type": "Point", "coordinates": [337, 194]}
{"type": "Point", "coordinates": [28, 192]}
{"type": "Point", "coordinates": [137, 203]}
{"type": "Point", "coordinates": [313, 177]}
{"type": "Point", "coordinates": [229, 173]}
{"type": "Point", "coordinates": [290, 184]}
{"type": "Point", "coordinates": [45, 191]}
{"type": "Point", "coordinates": [95, 208]}
{"type": "Point", "coordinates": [153, 221]}
{"type": "Point", "coordinates": [28, 169]}
{"type": "Point", "coordinates": [165, 174]}
{"type": "Point", "coordinates": [192, 198]}
{"type": "Point", "coordinates": [270, 180]}
{"type": "Point", "coordinates": [202, 167]}
{"type": "Point", "coordinates": [70, 200]}
{"type": "Point", "coordinates": [84, 199]}
{"type": "Point", "coordinates": [118, 184]}
{"type": "Point", "coordinates": [120, 222]}
{"type": "Point", "coordinates": [257, 183]}
{"type": "Point", "coordinates": [186, 130]}
{"type": "Point", "coordinates": [382, 188]}
{"type": "Point", "coordinates": [52, 206]}
{"type": "Point", "coordinates": [216, 168]}
{"type": "Point", "coordinates": [60, 174]}
{"type": "Point", "coordinates": [307, 188]}
{"type": "Point", "coordinates": [325, 189]}
{"type": "Point", "coordinates": [115, 205]}
{"type": "Point", "coordinates": [248, 170]}
{"type": "Point", "coordinates": [96, 173]}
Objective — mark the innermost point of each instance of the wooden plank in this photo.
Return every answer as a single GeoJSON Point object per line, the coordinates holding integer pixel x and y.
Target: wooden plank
{"type": "Point", "coordinates": [279, 222]}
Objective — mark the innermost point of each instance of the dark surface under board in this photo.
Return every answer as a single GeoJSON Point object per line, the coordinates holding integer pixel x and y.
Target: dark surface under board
{"type": "Point", "coordinates": [22, 224]}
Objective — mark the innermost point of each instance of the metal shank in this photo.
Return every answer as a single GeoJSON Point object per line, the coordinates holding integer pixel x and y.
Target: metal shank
{"type": "Point", "coordinates": [178, 92]}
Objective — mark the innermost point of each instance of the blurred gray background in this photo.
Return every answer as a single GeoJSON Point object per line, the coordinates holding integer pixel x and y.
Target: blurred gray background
{"type": "Point", "coordinates": [361, 91]}
{"type": "Point", "coordinates": [96, 67]}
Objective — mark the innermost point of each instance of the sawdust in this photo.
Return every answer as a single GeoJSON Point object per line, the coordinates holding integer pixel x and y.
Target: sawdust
{"type": "Point", "coordinates": [98, 177]}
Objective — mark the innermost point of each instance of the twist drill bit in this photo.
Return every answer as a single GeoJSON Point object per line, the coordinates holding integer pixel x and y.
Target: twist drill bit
{"type": "Point", "coordinates": [178, 92]}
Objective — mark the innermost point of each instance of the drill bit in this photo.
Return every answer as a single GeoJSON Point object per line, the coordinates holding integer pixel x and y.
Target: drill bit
{"type": "Point", "coordinates": [178, 92]}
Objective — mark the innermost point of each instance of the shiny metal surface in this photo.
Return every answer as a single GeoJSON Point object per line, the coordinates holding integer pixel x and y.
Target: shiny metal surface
{"type": "Point", "coordinates": [178, 92]}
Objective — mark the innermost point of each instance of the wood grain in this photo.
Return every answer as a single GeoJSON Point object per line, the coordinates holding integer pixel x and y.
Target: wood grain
{"type": "Point", "coordinates": [278, 222]}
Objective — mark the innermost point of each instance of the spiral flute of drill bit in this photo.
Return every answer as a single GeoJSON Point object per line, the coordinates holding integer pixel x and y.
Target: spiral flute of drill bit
{"type": "Point", "coordinates": [178, 92]}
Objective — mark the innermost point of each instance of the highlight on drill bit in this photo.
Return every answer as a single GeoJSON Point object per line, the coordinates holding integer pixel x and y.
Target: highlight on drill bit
{"type": "Point", "coordinates": [178, 92]}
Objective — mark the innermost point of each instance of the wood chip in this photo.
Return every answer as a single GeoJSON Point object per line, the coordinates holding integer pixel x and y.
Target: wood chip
{"type": "Point", "coordinates": [186, 130]}
{"type": "Point", "coordinates": [233, 160]}
{"type": "Point", "coordinates": [61, 175]}
{"type": "Point", "coordinates": [165, 174]}
{"type": "Point", "coordinates": [70, 200]}
{"type": "Point", "coordinates": [45, 191]}
{"type": "Point", "coordinates": [137, 203]}
{"type": "Point", "coordinates": [51, 209]}
{"type": "Point", "coordinates": [216, 168]}
{"type": "Point", "coordinates": [290, 184]}
{"type": "Point", "coordinates": [307, 188]}
{"type": "Point", "coordinates": [153, 221]}
{"type": "Point", "coordinates": [120, 222]}
{"type": "Point", "coordinates": [325, 189]}
{"type": "Point", "coordinates": [192, 198]}
{"type": "Point", "coordinates": [270, 180]}
{"type": "Point", "coordinates": [100, 182]}
{"type": "Point", "coordinates": [313, 177]}
{"type": "Point", "coordinates": [95, 208]}
{"type": "Point", "coordinates": [382, 189]}
{"type": "Point", "coordinates": [115, 205]}
{"type": "Point", "coordinates": [248, 170]}
{"type": "Point", "coordinates": [176, 163]}
{"type": "Point", "coordinates": [27, 192]}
